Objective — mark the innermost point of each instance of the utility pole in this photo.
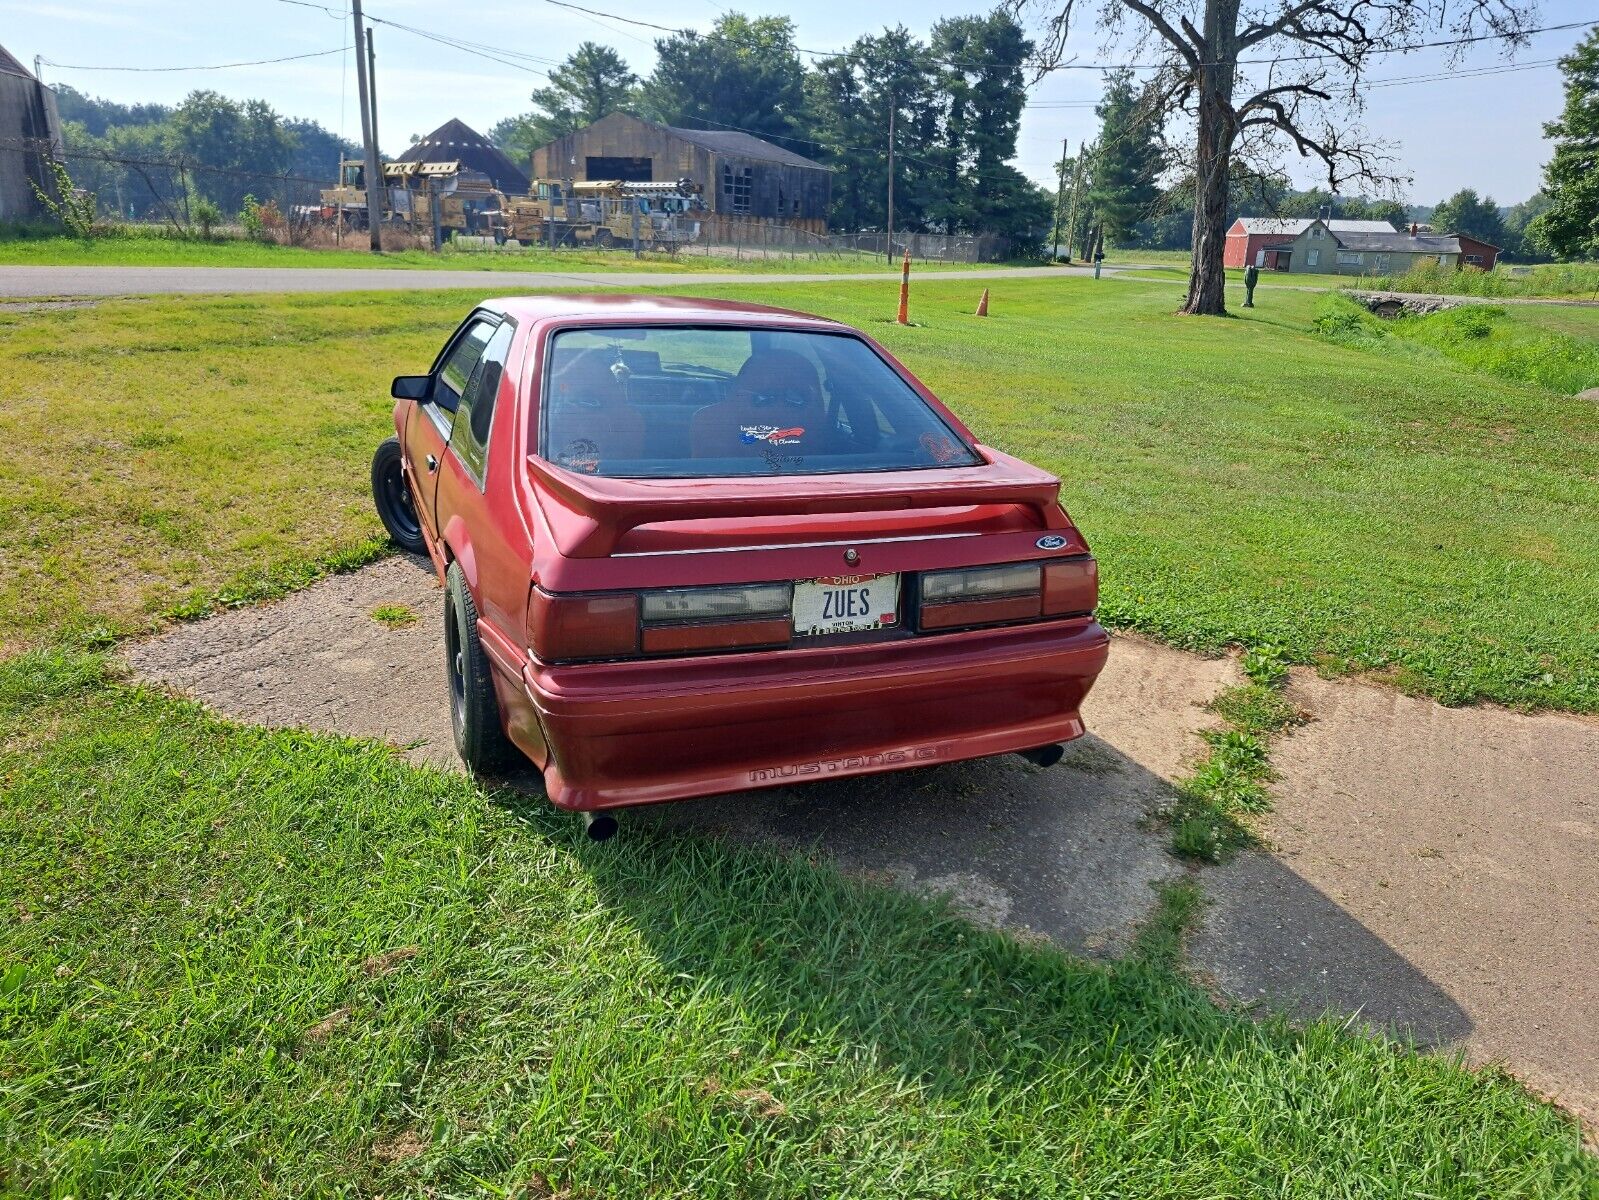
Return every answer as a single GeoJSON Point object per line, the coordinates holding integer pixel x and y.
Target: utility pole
{"type": "Point", "coordinates": [893, 103]}
{"type": "Point", "coordinates": [372, 82]}
{"type": "Point", "coordinates": [1077, 187]}
{"type": "Point", "coordinates": [374, 169]}
{"type": "Point", "coordinates": [1060, 198]}
{"type": "Point", "coordinates": [38, 67]}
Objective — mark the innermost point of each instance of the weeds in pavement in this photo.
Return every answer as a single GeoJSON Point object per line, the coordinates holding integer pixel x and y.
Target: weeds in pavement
{"type": "Point", "coordinates": [1230, 781]}
{"type": "Point", "coordinates": [395, 616]}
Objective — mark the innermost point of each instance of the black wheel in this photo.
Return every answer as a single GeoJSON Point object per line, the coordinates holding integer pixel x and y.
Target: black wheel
{"type": "Point", "coordinates": [603, 239]}
{"type": "Point", "coordinates": [392, 495]}
{"type": "Point", "coordinates": [474, 712]}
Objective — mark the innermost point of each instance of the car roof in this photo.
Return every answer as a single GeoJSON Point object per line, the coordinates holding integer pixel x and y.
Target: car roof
{"type": "Point", "coordinates": [611, 305]}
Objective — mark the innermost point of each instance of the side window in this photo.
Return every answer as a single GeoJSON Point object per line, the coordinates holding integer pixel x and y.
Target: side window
{"type": "Point", "coordinates": [458, 366]}
{"type": "Point", "coordinates": [470, 436]}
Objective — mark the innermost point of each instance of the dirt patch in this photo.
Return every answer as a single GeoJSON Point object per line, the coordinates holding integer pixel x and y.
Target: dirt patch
{"type": "Point", "coordinates": [1432, 869]}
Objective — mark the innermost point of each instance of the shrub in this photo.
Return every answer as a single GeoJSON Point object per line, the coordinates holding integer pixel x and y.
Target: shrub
{"type": "Point", "coordinates": [206, 215]}
{"type": "Point", "coordinates": [73, 207]}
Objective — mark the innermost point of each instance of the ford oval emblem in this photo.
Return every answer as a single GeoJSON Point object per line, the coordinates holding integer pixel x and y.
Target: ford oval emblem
{"type": "Point", "coordinates": [1050, 541]}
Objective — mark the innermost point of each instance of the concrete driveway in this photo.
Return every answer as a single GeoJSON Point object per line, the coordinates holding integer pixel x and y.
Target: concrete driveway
{"type": "Point", "coordinates": [1431, 869]}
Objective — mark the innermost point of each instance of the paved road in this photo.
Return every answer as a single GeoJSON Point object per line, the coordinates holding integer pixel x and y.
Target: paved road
{"type": "Point", "coordinates": [21, 282]}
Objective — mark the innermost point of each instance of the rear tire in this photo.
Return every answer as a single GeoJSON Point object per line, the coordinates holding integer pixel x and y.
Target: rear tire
{"type": "Point", "coordinates": [603, 239]}
{"type": "Point", "coordinates": [474, 712]}
{"type": "Point", "coordinates": [392, 495]}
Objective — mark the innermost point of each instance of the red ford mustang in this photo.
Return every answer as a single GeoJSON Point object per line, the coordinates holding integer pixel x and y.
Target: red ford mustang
{"type": "Point", "coordinates": [691, 546]}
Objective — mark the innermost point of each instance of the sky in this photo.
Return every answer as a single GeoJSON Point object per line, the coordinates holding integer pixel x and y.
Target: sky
{"type": "Point", "coordinates": [1450, 132]}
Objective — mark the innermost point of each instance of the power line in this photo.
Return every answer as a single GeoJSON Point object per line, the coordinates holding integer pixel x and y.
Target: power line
{"type": "Point", "coordinates": [260, 62]}
{"type": "Point", "coordinates": [989, 65]}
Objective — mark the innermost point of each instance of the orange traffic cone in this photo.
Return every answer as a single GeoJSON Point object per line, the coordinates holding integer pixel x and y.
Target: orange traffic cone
{"type": "Point", "coordinates": [904, 317]}
{"type": "Point", "coordinates": [982, 305]}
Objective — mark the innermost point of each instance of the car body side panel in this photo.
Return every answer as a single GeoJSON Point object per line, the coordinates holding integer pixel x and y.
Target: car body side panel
{"type": "Point", "coordinates": [424, 443]}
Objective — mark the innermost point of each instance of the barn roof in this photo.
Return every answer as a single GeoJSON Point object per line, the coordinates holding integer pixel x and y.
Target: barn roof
{"type": "Point", "coordinates": [1294, 226]}
{"type": "Point", "coordinates": [744, 145]}
{"type": "Point", "coordinates": [1391, 242]}
{"type": "Point", "coordinates": [1404, 243]}
{"type": "Point", "coordinates": [457, 141]}
{"type": "Point", "coordinates": [10, 66]}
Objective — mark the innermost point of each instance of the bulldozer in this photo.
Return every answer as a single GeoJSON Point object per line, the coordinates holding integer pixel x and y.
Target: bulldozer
{"type": "Point", "coordinates": [602, 213]}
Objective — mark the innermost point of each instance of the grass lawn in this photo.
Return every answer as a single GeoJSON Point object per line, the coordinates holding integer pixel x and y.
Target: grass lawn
{"type": "Point", "coordinates": [238, 961]}
{"type": "Point", "coordinates": [1268, 279]}
{"type": "Point", "coordinates": [241, 962]}
{"type": "Point", "coordinates": [1241, 480]}
{"type": "Point", "coordinates": [149, 251]}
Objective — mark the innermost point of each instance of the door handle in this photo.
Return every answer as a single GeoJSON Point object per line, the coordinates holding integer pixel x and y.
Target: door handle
{"type": "Point", "coordinates": [433, 464]}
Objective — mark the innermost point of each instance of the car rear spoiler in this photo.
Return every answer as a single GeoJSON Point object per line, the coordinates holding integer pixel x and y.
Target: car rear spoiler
{"type": "Point", "coordinates": [589, 514]}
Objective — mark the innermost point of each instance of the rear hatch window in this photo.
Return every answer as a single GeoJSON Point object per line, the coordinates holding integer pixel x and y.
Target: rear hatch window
{"type": "Point", "coordinates": [658, 402]}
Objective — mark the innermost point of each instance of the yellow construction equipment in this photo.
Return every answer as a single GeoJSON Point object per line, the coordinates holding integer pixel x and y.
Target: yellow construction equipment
{"type": "Point", "coordinates": [466, 198]}
{"type": "Point", "coordinates": [561, 212]}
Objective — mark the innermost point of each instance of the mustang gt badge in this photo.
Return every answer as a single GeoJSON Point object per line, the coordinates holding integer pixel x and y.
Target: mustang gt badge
{"type": "Point", "coordinates": [1050, 541]}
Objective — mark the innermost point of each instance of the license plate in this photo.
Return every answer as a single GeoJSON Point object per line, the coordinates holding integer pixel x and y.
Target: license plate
{"type": "Point", "coordinates": [845, 604]}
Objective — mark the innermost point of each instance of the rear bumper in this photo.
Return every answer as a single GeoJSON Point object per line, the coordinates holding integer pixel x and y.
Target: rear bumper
{"type": "Point", "coordinates": [640, 733]}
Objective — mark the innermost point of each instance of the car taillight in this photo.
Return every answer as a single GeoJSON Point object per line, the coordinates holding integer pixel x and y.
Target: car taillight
{"type": "Point", "coordinates": [1007, 592]}
{"type": "Point", "coordinates": [567, 627]}
{"type": "Point", "coordinates": [1071, 586]}
{"type": "Point", "coordinates": [601, 625]}
{"type": "Point", "coordinates": [683, 620]}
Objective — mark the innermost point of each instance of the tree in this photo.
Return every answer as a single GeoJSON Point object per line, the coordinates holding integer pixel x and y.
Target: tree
{"type": "Point", "coordinates": [745, 74]}
{"type": "Point", "coordinates": [1128, 162]}
{"type": "Point", "coordinates": [979, 91]}
{"type": "Point", "coordinates": [593, 82]}
{"type": "Point", "coordinates": [1278, 74]}
{"type": "Point", "coordinates": [851, 97]}
{"type": "Point", "coordinates": [1518, 220]}
{"type": "Point", "coordinates": [1570, 227]}
{"type": "Point", "coordinates": [229, 145]}
{"type": "Point", "coordinates": [838, 125]}
{"type": "Point", "coordinates": [1466, 212]}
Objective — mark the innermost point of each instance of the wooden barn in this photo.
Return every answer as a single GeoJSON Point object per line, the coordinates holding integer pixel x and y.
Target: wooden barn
{"type": "Point", "coordinates": [745, 177]}
{"type": "Point", "coordinates": [30, 135]}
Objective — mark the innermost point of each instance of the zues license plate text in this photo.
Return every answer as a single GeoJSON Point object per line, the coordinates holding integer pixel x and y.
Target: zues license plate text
{"type": "Point", "coordinates": [845, 604]}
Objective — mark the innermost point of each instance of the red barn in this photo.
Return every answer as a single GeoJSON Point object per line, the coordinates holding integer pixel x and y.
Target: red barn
{"type": "Point", "coordinates": [1474, 252]}
{"type": "Point", "coordinates": [1249, 236]}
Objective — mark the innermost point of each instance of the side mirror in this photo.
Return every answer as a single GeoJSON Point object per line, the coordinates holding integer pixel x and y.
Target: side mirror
{"type": "Point", "coordinates": [411, 387]}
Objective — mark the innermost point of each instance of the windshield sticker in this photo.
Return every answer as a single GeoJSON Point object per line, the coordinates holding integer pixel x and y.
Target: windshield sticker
{"type": "Point", "coordinates": [939, 447]}
{"type": "Point", "coordinates": [770, 434]}
{"type": "Point", "coordinates": [580, 454]}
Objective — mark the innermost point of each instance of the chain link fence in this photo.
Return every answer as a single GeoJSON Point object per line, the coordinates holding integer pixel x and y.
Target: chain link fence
{"type": "Point", "coordinates": [157, 190]}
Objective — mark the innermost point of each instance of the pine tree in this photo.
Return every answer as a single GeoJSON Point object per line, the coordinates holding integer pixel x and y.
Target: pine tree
{"type": "Point", "coordinates": [1570, 227]}
{"type": "Point", "coordinates": [1128, 163]}
{"type": "Point", "coordinates": [593, 82]}
{"type": "Point", "coordinates": [745, 74]}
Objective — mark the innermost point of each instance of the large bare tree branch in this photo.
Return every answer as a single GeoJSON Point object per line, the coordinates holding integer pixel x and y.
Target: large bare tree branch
{"type": "Point", "coordinates": [1164, 27]}
{"type": "Point", "coordinates": [1259, 99]}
